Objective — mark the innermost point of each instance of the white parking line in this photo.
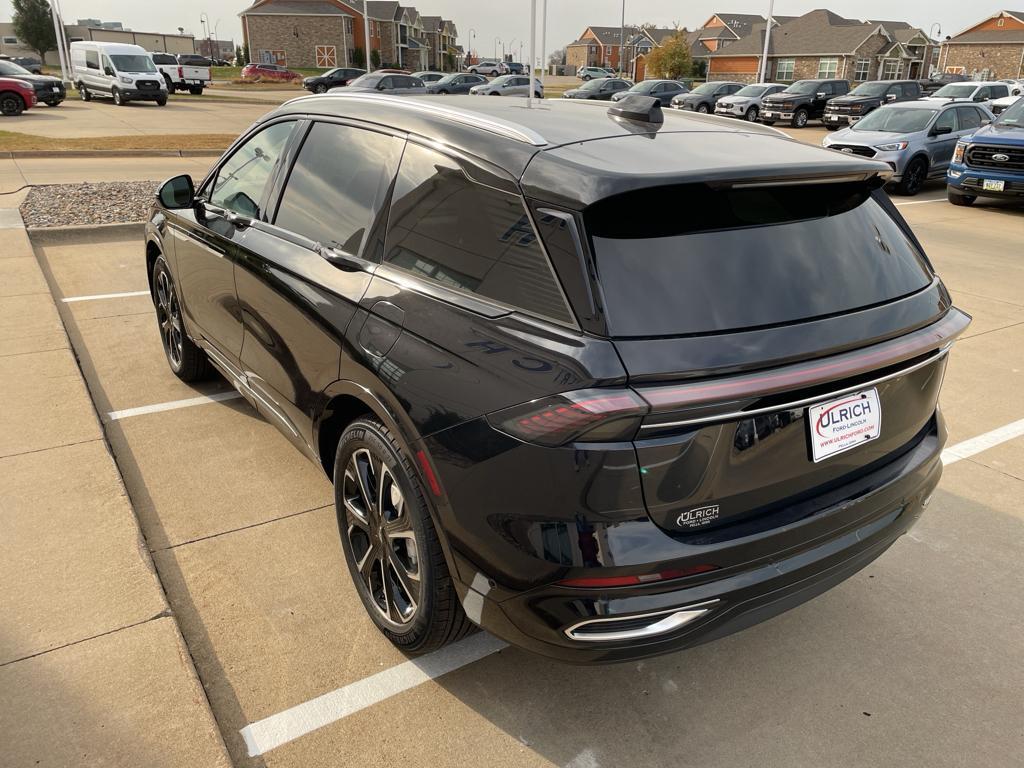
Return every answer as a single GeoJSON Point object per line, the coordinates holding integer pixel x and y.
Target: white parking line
{"type": "Point", "coordinates": [98, 296]}
{"type": "Point", "coordinates": [172, 405]}
{"type": "Point", "coordinates": [919, 202]}
{"type": "Point", "coordinates": [270, 732]}
{"type": "Point", "coordinates": [968, 448]}
{"type": "Point", "coordinates": [276, 730]}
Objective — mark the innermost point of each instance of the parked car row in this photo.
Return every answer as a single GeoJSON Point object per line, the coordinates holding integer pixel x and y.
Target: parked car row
{"type": "Point", "coordinates": [183, 72]}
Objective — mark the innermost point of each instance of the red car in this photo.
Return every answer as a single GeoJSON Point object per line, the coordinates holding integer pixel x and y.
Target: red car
{"type": "Point", "coordinates": [268, 72]}
{"type": "Point", "coordinates": [15, 96]}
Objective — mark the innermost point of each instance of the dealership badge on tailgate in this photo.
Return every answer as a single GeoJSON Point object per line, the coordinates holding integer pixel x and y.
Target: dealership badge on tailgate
{"type": "Point", "coordinates": [843, 423]}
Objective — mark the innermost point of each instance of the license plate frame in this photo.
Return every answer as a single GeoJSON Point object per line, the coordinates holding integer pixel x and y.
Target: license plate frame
{"type": "Point", "coordinates": [841, 424]}
{"type": "Point", "coordinates": [993, 185]}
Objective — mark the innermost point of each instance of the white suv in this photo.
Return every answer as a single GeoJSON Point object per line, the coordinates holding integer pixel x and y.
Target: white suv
{"type": "Point", "coordinates": [489, 67]}
{"type": "Point", "coordinates": [983, 93]}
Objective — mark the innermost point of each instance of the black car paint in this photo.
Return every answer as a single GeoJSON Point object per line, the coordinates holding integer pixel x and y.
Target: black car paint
{"type": "Point", "coordinates": [312, 345]}
{"type": "Point", "coordinates": [335, 78]}
{"type": "Point", "coordinates": [810, 102]}
{"type": "Point", "coordinates": [43, 85]}
{"type": "Point", "coordinates": [856, 106]}
{"type": "Point", "coordinates": [608, 88]}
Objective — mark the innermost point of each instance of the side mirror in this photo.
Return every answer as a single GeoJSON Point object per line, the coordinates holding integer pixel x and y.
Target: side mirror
{"type": "Point", "coordinates": [820, 95]}
{"type": "Point", "coordinates": [108, 71]}
{"type": "Point", "coordinates": [941, 130]}
{"type": "Point", "coordinates": [380, 86]}
{"type": "Point", "coordinates": [890, 97]}
{"type": "Point", "coordinates": [177, 193]}
{"type": "Point", "coordinates": [980, 97]}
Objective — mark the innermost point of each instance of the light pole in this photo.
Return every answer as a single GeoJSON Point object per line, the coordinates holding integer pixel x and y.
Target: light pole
{"type": "Point", "coordinates": [622, 37]}
{"type": "Point", "coordinates": [762, 74]}
{"type": "Point", "coordinates": [472, 34]}
{"type": "Point", "coordinates": [510, 48]}
{"type": "Point", "coordinates": [204, 22]}
{"type": "Point", "coordinates": [496, 41]}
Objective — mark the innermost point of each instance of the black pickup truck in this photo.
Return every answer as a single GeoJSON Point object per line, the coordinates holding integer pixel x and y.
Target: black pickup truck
{"type": "Point", "coordinates": [803, 101]}
{"type": "Point", "coordinates": [847, 110]}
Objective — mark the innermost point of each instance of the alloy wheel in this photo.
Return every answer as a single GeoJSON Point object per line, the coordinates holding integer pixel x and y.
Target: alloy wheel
{"type": "Point", "coordinates": [914, 178]}
{"type": "Point", "coordinates": [380, 534]}
{"type": "Point", "coordinates": [800, 120]}
{"type": "Point", "coordinates": [10, 105]}
{"type": "Point", "coordinates": [703, 109]}
{"type": "Point", "coordinates": [168, 314]}
{"type": "Point", "coordinates": [321, 88]}
{"type": "Point", "coordinates": [752, 114]}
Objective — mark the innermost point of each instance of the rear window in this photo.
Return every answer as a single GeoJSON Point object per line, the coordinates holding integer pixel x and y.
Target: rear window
{"type": "Point", "coordinates": [686, 259]}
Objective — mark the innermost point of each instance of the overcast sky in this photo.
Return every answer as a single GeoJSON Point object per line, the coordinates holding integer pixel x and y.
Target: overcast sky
{"type": "Point", "coordinates": [509, 19]}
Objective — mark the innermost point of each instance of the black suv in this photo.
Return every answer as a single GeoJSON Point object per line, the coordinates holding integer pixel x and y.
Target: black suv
{"type": "Point", "coordinates": [550, 405]}
{"type": "Point", "coordinates": [847, 110]}
{"type": "Point", "coordinates": [334, 78]}
{"type": "Point", "coordinates": [49, 90]}
{"type": "Point", "coordinates": [804, 100]}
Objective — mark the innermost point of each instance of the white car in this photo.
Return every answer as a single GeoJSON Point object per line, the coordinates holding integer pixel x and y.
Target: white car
{"type": "Point", "coordinates": [489, 67]}
{"type": "Point", "coordinates": [746, 102]}
{"type": "Point", "coordinates": [1001, 105]}
{"type": "Point", "coordinates": [509, 85]}
{"type": "Point", "coordinates": [979, 92]}
{"type": "Point", "coordinates": [122, 72]}
{"type": "Point", "coordinates": [181, 76]}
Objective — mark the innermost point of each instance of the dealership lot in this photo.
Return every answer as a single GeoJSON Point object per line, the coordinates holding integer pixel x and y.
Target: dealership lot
{"type": "Point", "coordinates": [914, 661]}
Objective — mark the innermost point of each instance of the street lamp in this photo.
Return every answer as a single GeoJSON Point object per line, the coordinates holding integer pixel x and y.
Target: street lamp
{"type": "Point", "coordinates": [472, 34]}
{"type": "Point", "coordinates": [496, 41]}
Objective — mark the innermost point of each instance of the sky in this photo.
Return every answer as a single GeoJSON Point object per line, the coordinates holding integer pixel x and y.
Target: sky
{"type": "Point", "coordinates": [509, 20]}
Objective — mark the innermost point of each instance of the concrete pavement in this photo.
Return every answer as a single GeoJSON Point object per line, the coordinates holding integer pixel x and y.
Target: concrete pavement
{"type": "Point", "coordinates": [93, 667]}
{"type": "Point", "coordinates": [19, 172]}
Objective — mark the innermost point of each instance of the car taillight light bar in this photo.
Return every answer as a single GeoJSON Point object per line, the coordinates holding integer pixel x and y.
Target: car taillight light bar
{"type": "Point", "coordinates": [592, 415]}
{"type": "Point", "coordinates": [601, 582]}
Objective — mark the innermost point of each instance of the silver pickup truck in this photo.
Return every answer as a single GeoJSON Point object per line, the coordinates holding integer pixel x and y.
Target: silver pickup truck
{"type": "Point", "coordinates": [181, 76]}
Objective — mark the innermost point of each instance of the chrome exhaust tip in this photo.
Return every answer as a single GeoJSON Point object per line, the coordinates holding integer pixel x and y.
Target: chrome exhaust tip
{"type": "Point", "coordinates": [637, 626]}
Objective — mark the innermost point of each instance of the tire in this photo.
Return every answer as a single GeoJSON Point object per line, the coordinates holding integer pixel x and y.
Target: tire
{"type": "Point", "coordinates": [703, 109]}
{"type": "Point", "coordinates": [83, 92]}
{"type": "Point", "coordinates": [393, 553]}
{"type": "Point", "coordinates": [494, 93]}
{"type": "Point", "coordinates": [170, 85]}
{"type": "Point", "coordinates": [321, 88]}
{"type": "Point", "coordinates": [494, 73]}
{"type": "Point", "coordinates": [443, 92]}
{"type": "Point", "coordinates": [800, 118]}
{"type": "Point", "coordinates": [752, 114]}
{"type": "Point", "coordinates": [196, 91]}
{"type": "Point", "coordinates": [119, 100]}
{"type": "Point", "coordinates": [914, 177]}
{"type": "Point", "coordinates": [767, 122]}
{"type": "Point", "coordinates": [585, 78]}
{"type": "Point", "coordinates": [11, 104]}
{"type": "Point", "coordinates": [538, 95]}
{"type": "Point", "coordinates": [187, 361]}
{"type": "Point", "coordinates": [52, 103]}
{"type": "Point", "coordinates": [830, 127]}
{"type": "Point", "coordinates": [957, 198]}
{"type": "Point", "coordinates": [161, 101]}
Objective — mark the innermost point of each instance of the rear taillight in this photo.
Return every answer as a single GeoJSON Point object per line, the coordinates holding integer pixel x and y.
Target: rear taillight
{"type": "Point", "coordinates": [181, 73]}
{"type": "Point", "coordinates": [601, 582]}
{"type": "Point", "coordinates": [587, 415]}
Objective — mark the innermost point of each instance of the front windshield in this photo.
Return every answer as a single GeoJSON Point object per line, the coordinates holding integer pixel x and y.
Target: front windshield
{"type": "Point", "coordinates": [801, 87]}
{"type": "Point", "coordinates": [870, 89]}
{"type": "Point", "coordinates": [592, 85]}
{"type": "Point", "coordinates": [752, 90]}
{"type": "Point", "coordinates": [1013, 114]}
{"type": "Point", "coordinates": [369, 81]}
{"type": "Point", "coordinates": [644, 87]}
{"type": "Point", "coordinates": [448, 79]}
{"type": "Point", "coordinates": [133, 63]}
{"type": "Point", "coordinates": [706, 88]}
{"type": "Point", "coordinates": [954, 91]}
{"type": "Point", "coordinates": [896, 120]}
{"type": "Point", "coordinates": [503, 80]}
{"type": "Point", "coordinates": [10, 68]}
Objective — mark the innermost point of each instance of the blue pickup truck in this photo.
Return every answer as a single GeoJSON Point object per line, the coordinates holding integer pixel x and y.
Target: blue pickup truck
{"type": "Point", "coordinates": [990, 162]}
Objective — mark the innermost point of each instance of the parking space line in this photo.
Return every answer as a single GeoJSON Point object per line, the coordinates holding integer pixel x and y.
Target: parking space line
{"type": "Point", "coordinates": [968, 448]}
{"type": "Point", "coordinates": [274, 731]}
{"type": "Point", "coordinates": [99, 296]}
{"type": "Point", "coordinates": [919, 202]}
{"type": "Point", "coordinates": [172, 405]}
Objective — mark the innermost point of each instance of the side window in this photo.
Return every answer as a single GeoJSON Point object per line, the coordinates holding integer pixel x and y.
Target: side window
{"type": "Point", "coordinates": [107, 65]}
{"type": "Point", "coordinates": [969, 117]}
{"type": "Point", "coordinates": [982, 93]}
{"type": "Point", "coordinates": [468, 237]}
{"type": "Point", "coordinates": [999, 91]}
{"type": "Point", "coordinates": [336, 184]}
{"type": "Point", "coordinates": [92, 60]}
{"type": "Point", "coordinates": [826, 88]}
{"type": "Point", "coordinates": [386, 82]}
{"type": "Point", "coordinates": [732, 89]}
{"type": "Point", "coordinates": [241, 180]}
{"type": "Point", "coordinates": [947, 118]}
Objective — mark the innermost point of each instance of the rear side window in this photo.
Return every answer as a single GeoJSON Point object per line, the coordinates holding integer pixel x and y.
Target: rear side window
{"type": "Point", "coordinates": [335, 187]}
{"type": "Point", "coordinates": [468, 237]}
{"type": "Point", "coordinates": [969, 117]}
{"type": "Point", "coordinates": [746, 258]}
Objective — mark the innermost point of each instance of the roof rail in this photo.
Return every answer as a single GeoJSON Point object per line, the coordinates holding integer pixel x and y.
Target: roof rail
{"type": "Point", "coordinates": [494, 125]}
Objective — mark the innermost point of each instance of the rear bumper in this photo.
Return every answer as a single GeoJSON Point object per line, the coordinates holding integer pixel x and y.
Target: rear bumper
{"type": "Point", "coordinates": [811, 556]}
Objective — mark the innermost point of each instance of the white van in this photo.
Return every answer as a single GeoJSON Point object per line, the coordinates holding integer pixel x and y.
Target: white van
{"type": "Point", "coordinates": [123, 72]}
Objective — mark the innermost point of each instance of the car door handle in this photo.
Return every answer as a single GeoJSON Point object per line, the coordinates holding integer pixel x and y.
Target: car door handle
{"type": "Point", "coordinates": [237, 220]}
{"type": "Point", "coordinates": [340, 259]}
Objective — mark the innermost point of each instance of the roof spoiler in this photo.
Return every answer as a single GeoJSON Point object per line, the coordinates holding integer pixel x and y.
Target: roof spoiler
{"type": "Point", "coordinates": [874, 178]}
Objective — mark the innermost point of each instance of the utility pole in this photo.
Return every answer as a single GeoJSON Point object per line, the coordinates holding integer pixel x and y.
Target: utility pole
{"type": "Point", "coordinates": [366, 36]}
{"type": "Point", "coordinates": [622, 36]}
{"type": "Point", "coordinates": [762, 73]}
{"type": "Point", "coordinates": [58, 31]}
{"type": "Point", "coordinates": [533, 51]}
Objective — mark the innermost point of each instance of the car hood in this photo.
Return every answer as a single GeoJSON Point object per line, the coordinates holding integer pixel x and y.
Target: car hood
{"type": "Point", "coordinates": [687, 97]}
{"type": "Point", "coordinates": [869, 138]}
{"type": "Point", "coordinates": [777, 98]}
{"type": "Point", "coordinates": [739, 101]}
{"type": "Point", "coordinates": [855, 100]}
{"type": "Point", "coordinates": [577, 93]}
{"type": "Point", "coordinates": [946, 98]}
{"type": "Point", "coordinates": [999, 134]}
{"type": "Point", "coordinates": [35, 79]}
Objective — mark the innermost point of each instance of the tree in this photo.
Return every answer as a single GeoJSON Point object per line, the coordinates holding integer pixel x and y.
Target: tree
{"type": "Point", "coordinates": [358, 57]}
{"type": "Point", "coordinates": [672, 58]}
{"type": "Point", "coordinates": [33, 25]}
{"type": "Point", "coordinates": [375, 58]}
{"type": "Point", "coordinates": [557, 57]}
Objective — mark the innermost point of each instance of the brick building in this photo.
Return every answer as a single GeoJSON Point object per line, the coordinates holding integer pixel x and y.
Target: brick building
{"type": "Point", "coordinates": [10, 45]}
{"type": "Point", "coordinates": [989, 50]}
{"type": "Point", "coordinates": [328, 33]}
{"type": "Point", "coordinates": [823, 44]}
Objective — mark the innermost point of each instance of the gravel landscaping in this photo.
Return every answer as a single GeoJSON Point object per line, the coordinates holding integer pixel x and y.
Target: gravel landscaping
{"type": "Point", "coordinates": [62, 205]}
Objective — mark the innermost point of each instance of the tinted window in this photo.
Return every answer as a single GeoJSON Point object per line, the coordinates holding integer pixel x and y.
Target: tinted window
{"type": "Point", "coordinates": [999, 91]}
{"type": "Point", "coordinates": [746, 258]}
{"type": "Point", "coordinates": [92, 60]}
{"type": "Point", "coordinates": [241, 180]}
{"type": "Point", "coordinates": [468, 237]}
{"type": "Point", "coordinates": [946, 120]}
{"type": "Point", "coordinates": [969, 117]}
{"type": "Point", "coordinates": [335, 185]}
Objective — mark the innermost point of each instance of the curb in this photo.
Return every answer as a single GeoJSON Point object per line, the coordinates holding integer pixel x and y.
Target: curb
{"type": "Point", "coordinates": [86, 233]}
{"type": "Point", "coordinates": [14, 154]}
